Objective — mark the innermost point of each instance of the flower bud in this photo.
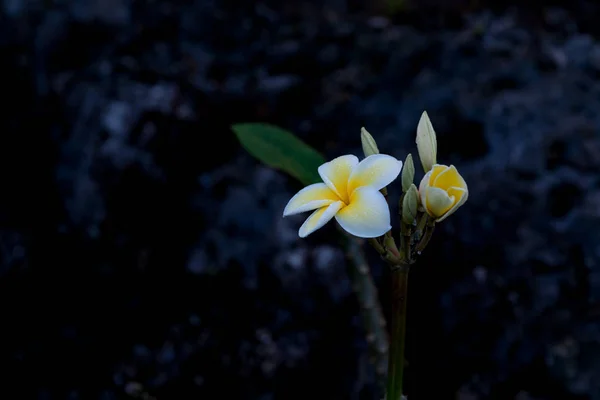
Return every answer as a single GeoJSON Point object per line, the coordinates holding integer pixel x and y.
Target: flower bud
{"type": "Point", "coordinates": [408, 173]}
{"type": "Point", "coordinates": [442, 190]}
{"type": "Point", "coordinates": [426, 142]}
{"type": "Point", "coordinates": [368, 143]}
{"type": "Point", "coordinates": [410, 203]}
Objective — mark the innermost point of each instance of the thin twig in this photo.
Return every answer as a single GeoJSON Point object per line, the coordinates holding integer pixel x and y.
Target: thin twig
{"type": "Point", "coordinates": [421, 223]}
{"type": "Point", "coordinates": [377, 246]}
{"type": "Point", "coordinates": [424, 241]}
{"type": "Point", "coordinates": [370, 308]}
{"type": "Point", "coordinates": [388, 250]}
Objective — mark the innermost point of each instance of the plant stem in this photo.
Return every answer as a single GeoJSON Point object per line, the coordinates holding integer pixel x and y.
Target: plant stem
{"type": "Point", "coordinates": [424, 241]}
{"type": "Point", "coordinates": [371, 314]}
{"type": "Point", "coordinates": [399, 277]}
{"type": "Point", "coordinates": [405, 243]}
{"type": "Point", "coordinates": [377, 246]}
{"type": "Point", "coordinates": [421, 223]}
{"type": "Point", "coordinates": [370, 309]}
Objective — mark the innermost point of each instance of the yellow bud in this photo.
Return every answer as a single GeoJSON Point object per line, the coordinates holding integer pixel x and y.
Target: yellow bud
{"type": "Point", "coordinates": [410, 203]}
{"type": "Point", "coordinates": [408, 173]}
{"type": "Point", "coordinates": [442, 190]}
{"type": "Point", "coordinates": [426, 142]}
{"type": "Point", "coordinates": [368, 143]}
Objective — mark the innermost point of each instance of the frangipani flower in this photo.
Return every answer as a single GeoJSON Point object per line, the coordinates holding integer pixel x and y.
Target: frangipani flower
{"type": "Point", "coordinates": [350, 193]}
{"type": "Point", "coordinates": [442, 191]}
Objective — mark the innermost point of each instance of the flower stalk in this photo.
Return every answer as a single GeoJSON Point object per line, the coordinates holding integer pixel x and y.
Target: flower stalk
{"type": "Point", "coordinates": [426, 237]}
{"type": "Point", "coordinates": [399, 278]}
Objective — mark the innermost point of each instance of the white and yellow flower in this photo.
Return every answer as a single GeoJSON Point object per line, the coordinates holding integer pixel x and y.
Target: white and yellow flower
{"type": "Point", "coordinates": [442, 191]}
{"type": "Point", "coordinates": [350, 193]}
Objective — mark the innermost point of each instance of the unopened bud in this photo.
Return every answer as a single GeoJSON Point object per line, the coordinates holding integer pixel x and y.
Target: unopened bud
{"type": "Point", "coordinates": [408, 173]}
{"type": "Point", "coordinates": [369, 145]}
{"type": "Point", "coordinates": [426, 142]}
{"type": "Point", "coordinates": [410, 203]}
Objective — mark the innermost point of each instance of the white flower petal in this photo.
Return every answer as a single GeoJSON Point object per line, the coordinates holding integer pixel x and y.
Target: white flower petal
{"type": "Point", "coordinates": [319, 218]}
{"type": "Point", "coordinates": [377, 171]}
{"type": "Point", "coordinates": [310, 198]}
{"type": "Point", "coordinates": [437, 201]}
{"type": "Point", "coordinates": [367, 215]}
{"type": "Point", "coordinates": [336, 172]}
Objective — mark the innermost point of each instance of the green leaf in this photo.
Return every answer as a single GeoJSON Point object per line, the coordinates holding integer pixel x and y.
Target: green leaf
{"type": "Point", "coordinates": [280, 149]}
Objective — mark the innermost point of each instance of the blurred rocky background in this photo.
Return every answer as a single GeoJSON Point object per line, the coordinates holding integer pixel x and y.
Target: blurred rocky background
{"type": "Point", "coordinates": [143, 253]}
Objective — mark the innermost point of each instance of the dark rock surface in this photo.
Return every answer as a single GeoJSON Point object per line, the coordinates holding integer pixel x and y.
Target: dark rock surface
{"type": "Point", "coordinates": [142, 250]}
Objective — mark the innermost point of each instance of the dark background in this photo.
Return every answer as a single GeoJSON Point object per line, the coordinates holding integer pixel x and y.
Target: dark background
{"type": "Point", "coordinates": [141, 249]}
